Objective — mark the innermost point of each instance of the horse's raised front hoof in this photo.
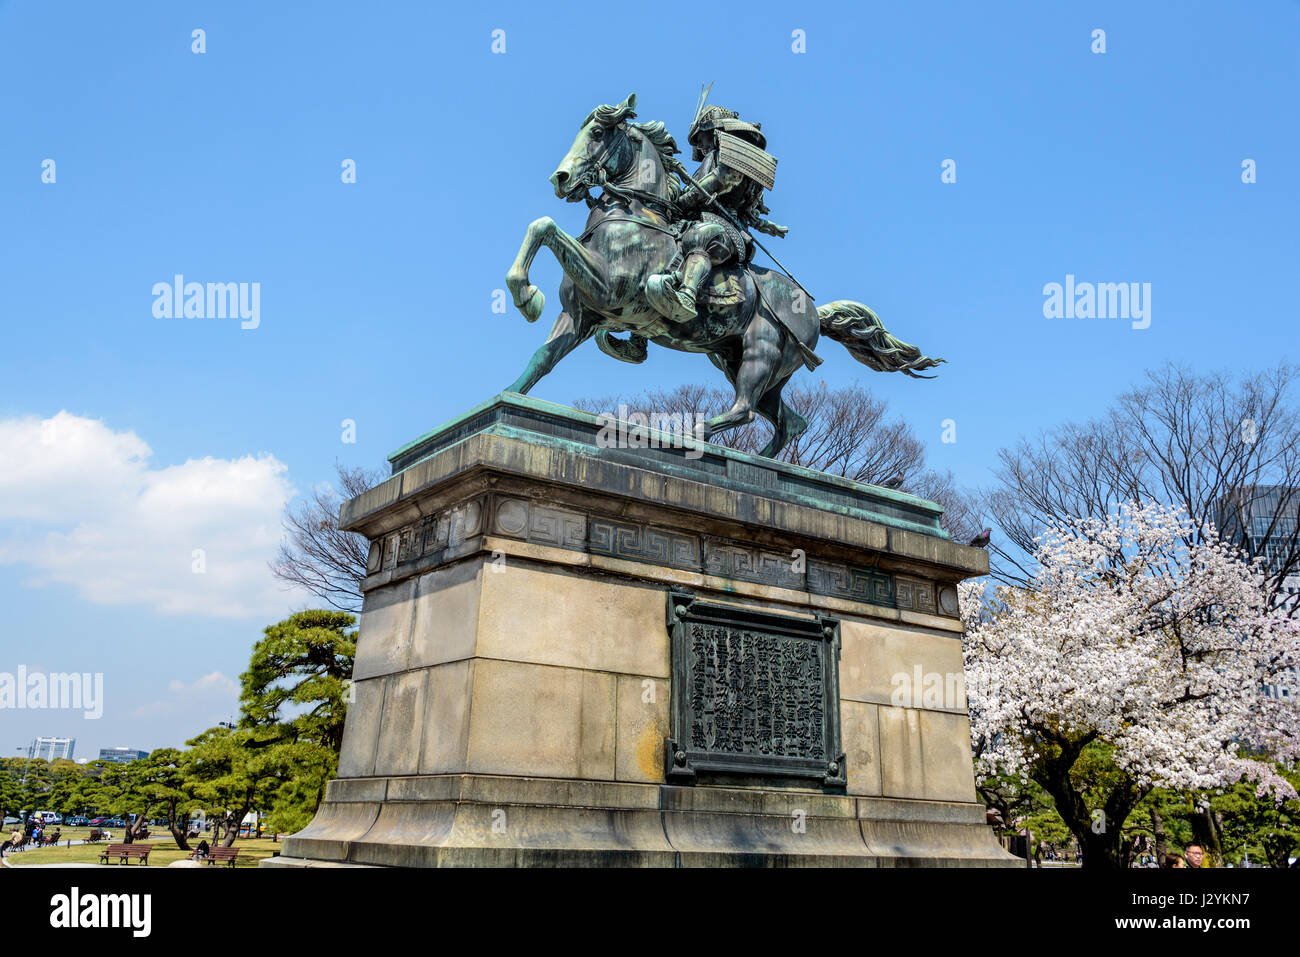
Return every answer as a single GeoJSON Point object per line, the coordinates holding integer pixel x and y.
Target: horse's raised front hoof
{"type": "Point", "coordinates": [534, 302]}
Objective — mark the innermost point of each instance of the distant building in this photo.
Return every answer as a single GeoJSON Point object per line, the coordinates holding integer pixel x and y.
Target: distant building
{"type": "Point", "coordinates": [121, 755]}
{"type": "Point", "coordinates": [52, 749]}
{"type": "Point", "coordinates": [1263, 520]}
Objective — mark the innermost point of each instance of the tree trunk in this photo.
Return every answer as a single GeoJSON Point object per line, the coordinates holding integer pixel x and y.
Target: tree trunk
{"type": "Point", "coordinates": [135, 828]}
{"type": "Point", "coordinates": [1216, 820]}
{"type": "Point", "coordinates": [1129, 849]}
{"type": "Point", "coordinates": [1162, 842]}
{"type": "Point", "coordinates": [233, 820]}
{"type": "Point", "coordinates": [1101, 851]}
{"type": "Point", "coordinates": [179, 834]}
{"type": "Point", "coordinates": [1206, 833]}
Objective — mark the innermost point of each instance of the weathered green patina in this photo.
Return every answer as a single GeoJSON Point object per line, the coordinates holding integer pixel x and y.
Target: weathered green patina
{"type": "Point", "coordinates": [544, 424]}
{"type": "Point", "coordinates": [673, 266]}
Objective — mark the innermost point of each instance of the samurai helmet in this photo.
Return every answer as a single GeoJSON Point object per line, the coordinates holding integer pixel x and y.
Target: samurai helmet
{"type": "Point", "coordinates": [709, 118]}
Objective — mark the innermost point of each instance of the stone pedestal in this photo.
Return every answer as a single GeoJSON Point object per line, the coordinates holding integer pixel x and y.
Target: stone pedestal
{"type": "Point", "coordinates": [578, 655]}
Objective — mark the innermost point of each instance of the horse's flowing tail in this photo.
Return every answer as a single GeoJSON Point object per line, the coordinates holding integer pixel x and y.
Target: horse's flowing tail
{"type": "Point", "coordinates": [860, 331]}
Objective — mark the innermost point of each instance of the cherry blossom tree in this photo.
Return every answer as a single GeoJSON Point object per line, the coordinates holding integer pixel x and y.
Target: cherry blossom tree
{"type": "Point", "coordinates": [1140, 638]}
{"type": "Point", "coordinates": [1223, 447]}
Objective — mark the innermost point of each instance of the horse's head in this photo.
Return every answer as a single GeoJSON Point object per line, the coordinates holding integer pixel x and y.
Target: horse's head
{"type": "Point", "coordinates": [600, 151]}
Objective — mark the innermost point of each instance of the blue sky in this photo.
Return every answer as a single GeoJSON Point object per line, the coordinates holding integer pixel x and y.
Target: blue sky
{"type": "Point", "coordinates": [376, 296]}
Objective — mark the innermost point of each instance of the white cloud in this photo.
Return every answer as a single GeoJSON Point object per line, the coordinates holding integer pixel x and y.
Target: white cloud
{"type": "Point", "coordinates": [214, 693]}
{"type": "Point", "coordinates": [215, 681]}
{"type": "Point", "coordinates": [80, 504]}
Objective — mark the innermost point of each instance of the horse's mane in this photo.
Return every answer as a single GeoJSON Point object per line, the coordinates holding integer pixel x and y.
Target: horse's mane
{"type": "Point", "coordinates": [655, 132]}
{"type": "Point", "coordinates": [662, 141]}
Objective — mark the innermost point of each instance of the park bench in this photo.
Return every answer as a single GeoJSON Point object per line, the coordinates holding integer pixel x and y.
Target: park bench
{"type": "Point", "coordinates": [95, 835]}
{"type": "Point", "coordinates": [125, 852]}
{"type": "Point", "coordinates": [227, 854]}
{"type": "Point", "coordinates": [10, 847]}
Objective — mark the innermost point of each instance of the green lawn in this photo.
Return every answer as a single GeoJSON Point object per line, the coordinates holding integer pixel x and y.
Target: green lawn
{"type": "Point", "coordinates": [164, 851]}
{"type": "Point", "coordinates": [76, 833]}
{"type": "Point", "coordinates": [83, 833]}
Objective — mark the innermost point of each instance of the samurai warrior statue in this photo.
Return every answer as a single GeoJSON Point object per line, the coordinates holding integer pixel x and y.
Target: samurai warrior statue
{"type": "Point", "coordinates": [734, 170]}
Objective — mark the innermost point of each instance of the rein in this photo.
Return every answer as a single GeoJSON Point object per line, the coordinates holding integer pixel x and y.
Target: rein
{"type": "Point", "coordinates": [597, 177]}
{"type": "Point", "coordinates": [673, 231]}
{"type": "Point", "coordinates": [666, 206]}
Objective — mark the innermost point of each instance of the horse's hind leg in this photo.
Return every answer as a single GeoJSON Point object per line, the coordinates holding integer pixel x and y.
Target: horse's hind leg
{"type": "Point", "coordinates": [751, 381]}
{"type": "Point", "coordinates": [795, 424]}
{"type": "Point", "coordinates": [787, 424]}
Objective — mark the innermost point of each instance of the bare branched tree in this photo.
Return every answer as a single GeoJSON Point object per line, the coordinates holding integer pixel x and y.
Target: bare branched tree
{"type": "Point", "coordinates": [1226, 449]}
{"type": "Point", "coordinates": [316, 555]}
{"type": "Point", "coordinates": [849, 433]}
{"type": "Point", "coordinates": [961, 513]}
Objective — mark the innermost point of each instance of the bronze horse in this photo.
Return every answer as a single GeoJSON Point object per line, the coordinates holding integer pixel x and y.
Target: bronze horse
{"type": "Point", "coordinates": [759, 335]}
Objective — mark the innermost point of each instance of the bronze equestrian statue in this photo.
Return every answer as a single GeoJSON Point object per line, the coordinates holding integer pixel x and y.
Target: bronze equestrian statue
{"type": "Point", "coordinates": [672, 265]}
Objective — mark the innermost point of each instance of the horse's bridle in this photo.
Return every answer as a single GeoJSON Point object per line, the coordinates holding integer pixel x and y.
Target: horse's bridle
{"type": "Point", "coordinates": [597, 177]}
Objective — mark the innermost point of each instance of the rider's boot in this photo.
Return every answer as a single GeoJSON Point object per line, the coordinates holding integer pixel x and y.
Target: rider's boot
{"type": "Point", "coordinates": [674, 298]}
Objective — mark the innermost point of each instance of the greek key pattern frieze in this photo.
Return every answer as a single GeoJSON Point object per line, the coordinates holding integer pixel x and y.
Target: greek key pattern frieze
{"type": "Point", "coordinates": [527, 519]}
{"type": "Point", "coordinates": [729, 560]}
{"type": "Point", "coordinates": [915, 594]}
{"type": "Point", "coordinates": [643, 543]}
{"type": "Point", "coordinates": [851, 582]}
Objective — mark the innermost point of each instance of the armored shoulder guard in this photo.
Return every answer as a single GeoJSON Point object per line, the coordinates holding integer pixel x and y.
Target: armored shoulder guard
{"type": "Point", "coordinates": [740, 154]}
